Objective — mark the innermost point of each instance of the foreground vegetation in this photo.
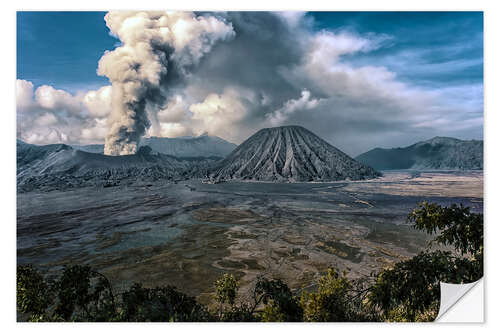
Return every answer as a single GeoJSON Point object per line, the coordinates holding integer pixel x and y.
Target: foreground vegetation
{"type": "Point", "coordinates": [408, 291]}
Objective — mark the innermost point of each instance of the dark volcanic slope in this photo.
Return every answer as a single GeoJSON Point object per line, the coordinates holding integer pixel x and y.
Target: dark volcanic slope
{"type": "Point", "coordinates": [60, 166]}
{"type": "Point", "coordinates": [289, 153]}
{"type": "Point", "coordinates": [439, 153]}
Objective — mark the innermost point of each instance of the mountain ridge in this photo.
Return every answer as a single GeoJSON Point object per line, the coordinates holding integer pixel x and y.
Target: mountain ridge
{"type": "Point", "coordinates": [437, 153]}
{"type": "Point", "coordinates": [60, 166]}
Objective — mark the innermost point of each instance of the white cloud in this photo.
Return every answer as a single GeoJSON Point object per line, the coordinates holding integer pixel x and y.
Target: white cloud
{"type": "Point", "coordinates": [292, 18]}
{"type": "Point", "coordinates": [172, 130]}
{"type": "Point", "coordinates": [49, 98]}
{"type": "Point", "coordinates": [327, 46]}
{"type": "Point", "coordinates": [50, 115]}
{"type": "Point", "coordinates": [176, 110]}
{"type": "Point", "coordinates": [98, 102]}
{"type": "Point", "coordinates": [219, 114]}
{"type": "Point", "coordinates": [95, 133]}
{"type": "Point", "coordinates": [24, 94]}
{"type": "Point", "coordinates": [46, 119]}
{"type": "Point", "coordinates": [304, 103]}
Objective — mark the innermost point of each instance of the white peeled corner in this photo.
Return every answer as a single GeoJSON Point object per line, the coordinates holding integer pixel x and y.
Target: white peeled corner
{"type": "Point", "coordinates": [462, 303]}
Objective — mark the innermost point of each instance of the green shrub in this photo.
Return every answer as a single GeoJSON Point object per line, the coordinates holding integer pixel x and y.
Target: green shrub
{"type": "Point", "coordinates": [330, 302]}
{"type": "Point", "coordinates": [280, 303]}
{"type": "Point", "coordinates": [160, 304]}
{"type": "Point", "coordinates": [33, 292]}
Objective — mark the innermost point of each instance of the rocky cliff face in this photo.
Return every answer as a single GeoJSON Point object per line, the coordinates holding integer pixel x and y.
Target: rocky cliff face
{"type": "Point", "coordinates": [439, 153]}
{"type": "Point", "coordinates": [288, 154]}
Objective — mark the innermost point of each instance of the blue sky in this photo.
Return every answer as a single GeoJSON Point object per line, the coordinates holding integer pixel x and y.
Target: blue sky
{"type": "Point", "coordinates": [446, 47]}
{"type": "Point", "coordinates": [357, 79]}
{"type": "Point", "coordinates": [62, 48]}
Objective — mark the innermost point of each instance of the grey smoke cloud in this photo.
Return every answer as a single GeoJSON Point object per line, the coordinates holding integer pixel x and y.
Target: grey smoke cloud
{"type": "Point", "coordinates": [153, 45]}
{"type": "Point", "coordinates": [289, 74]}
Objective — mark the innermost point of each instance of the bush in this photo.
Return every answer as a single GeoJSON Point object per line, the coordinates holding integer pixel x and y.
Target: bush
{"type": "Point", "coordinates": [330, 302]}
{"type": "Point", "coordinates": [84, 295]}
{"type": "Point", "coordinates": [280, 303]}
{"type": "Point", "coordinates": [160, 305]}
{"type": "Point", "coordinates": [33, 292]}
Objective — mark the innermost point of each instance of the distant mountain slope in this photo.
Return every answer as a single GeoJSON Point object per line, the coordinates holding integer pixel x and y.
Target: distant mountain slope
{"type": "Point", "coordinates": [439, 153]}
{"type": "Point", "coordinates": [28, 153]}
{"type": "Point", "coordinates": [96, 148]}
{"type": "Point", "coordinates": [289, 153]}
{"type": "Point", "coordinates": [61, 166]}
{"type": "Point", "coordinates": [204, 146]}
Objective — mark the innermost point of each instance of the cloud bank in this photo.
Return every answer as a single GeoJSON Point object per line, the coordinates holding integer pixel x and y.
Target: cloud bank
{"type": "Point", "coordinates": [48, 115]}
{"type": "Point", "coordinates": [231, 74]}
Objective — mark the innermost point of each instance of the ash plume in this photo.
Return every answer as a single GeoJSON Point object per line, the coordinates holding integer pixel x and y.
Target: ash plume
{"type": "Point", "coordinates": [153, 45]}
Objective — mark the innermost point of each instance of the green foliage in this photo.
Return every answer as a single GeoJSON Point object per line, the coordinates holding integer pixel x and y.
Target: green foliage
{"type": "Point", "coordinates": [225, 289]}
{"type": "Point", "coordinates": [81, 294]}
{"type": "Point", "coordinates": [160, 305]}
{"type": "Point", "coordinates": [280, 303]}
{"type": "Point", "coordinates": [457, 225]}
{"type": "Point", "coordinates": [412, 286]}
{"type": "Point", "coordinates": [403, 314]}
{"type": "Point", "coordinates": [330, 302]}
{"type": "Point", "coordinates": [238, 313]}
{"type": "Point", "coordinates": [33, 292]}
{"type": "Point", "coordinates": [337, 299]}
{"type": "Point", "coordinates": [78, 295]}
{"type": "Point", "coordinates": [272, 313]}
{"type": "Point", "coordinates": [84, 295]}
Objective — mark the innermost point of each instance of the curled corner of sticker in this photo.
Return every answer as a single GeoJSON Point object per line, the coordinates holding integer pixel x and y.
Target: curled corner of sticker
{"type": "Point", "coordinates": [455, 306]}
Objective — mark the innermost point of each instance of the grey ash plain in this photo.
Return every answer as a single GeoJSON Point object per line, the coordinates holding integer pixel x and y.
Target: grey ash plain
{"type": "Point", "coordinates": [187, 234]}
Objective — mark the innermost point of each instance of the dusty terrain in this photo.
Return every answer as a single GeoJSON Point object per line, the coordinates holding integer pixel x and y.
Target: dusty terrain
{"type": "Point", "coordinates": [188, 234]}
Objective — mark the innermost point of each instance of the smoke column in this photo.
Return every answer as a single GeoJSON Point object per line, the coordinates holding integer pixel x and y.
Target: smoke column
{"type": "Point", "coordinates": [152, 44]}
